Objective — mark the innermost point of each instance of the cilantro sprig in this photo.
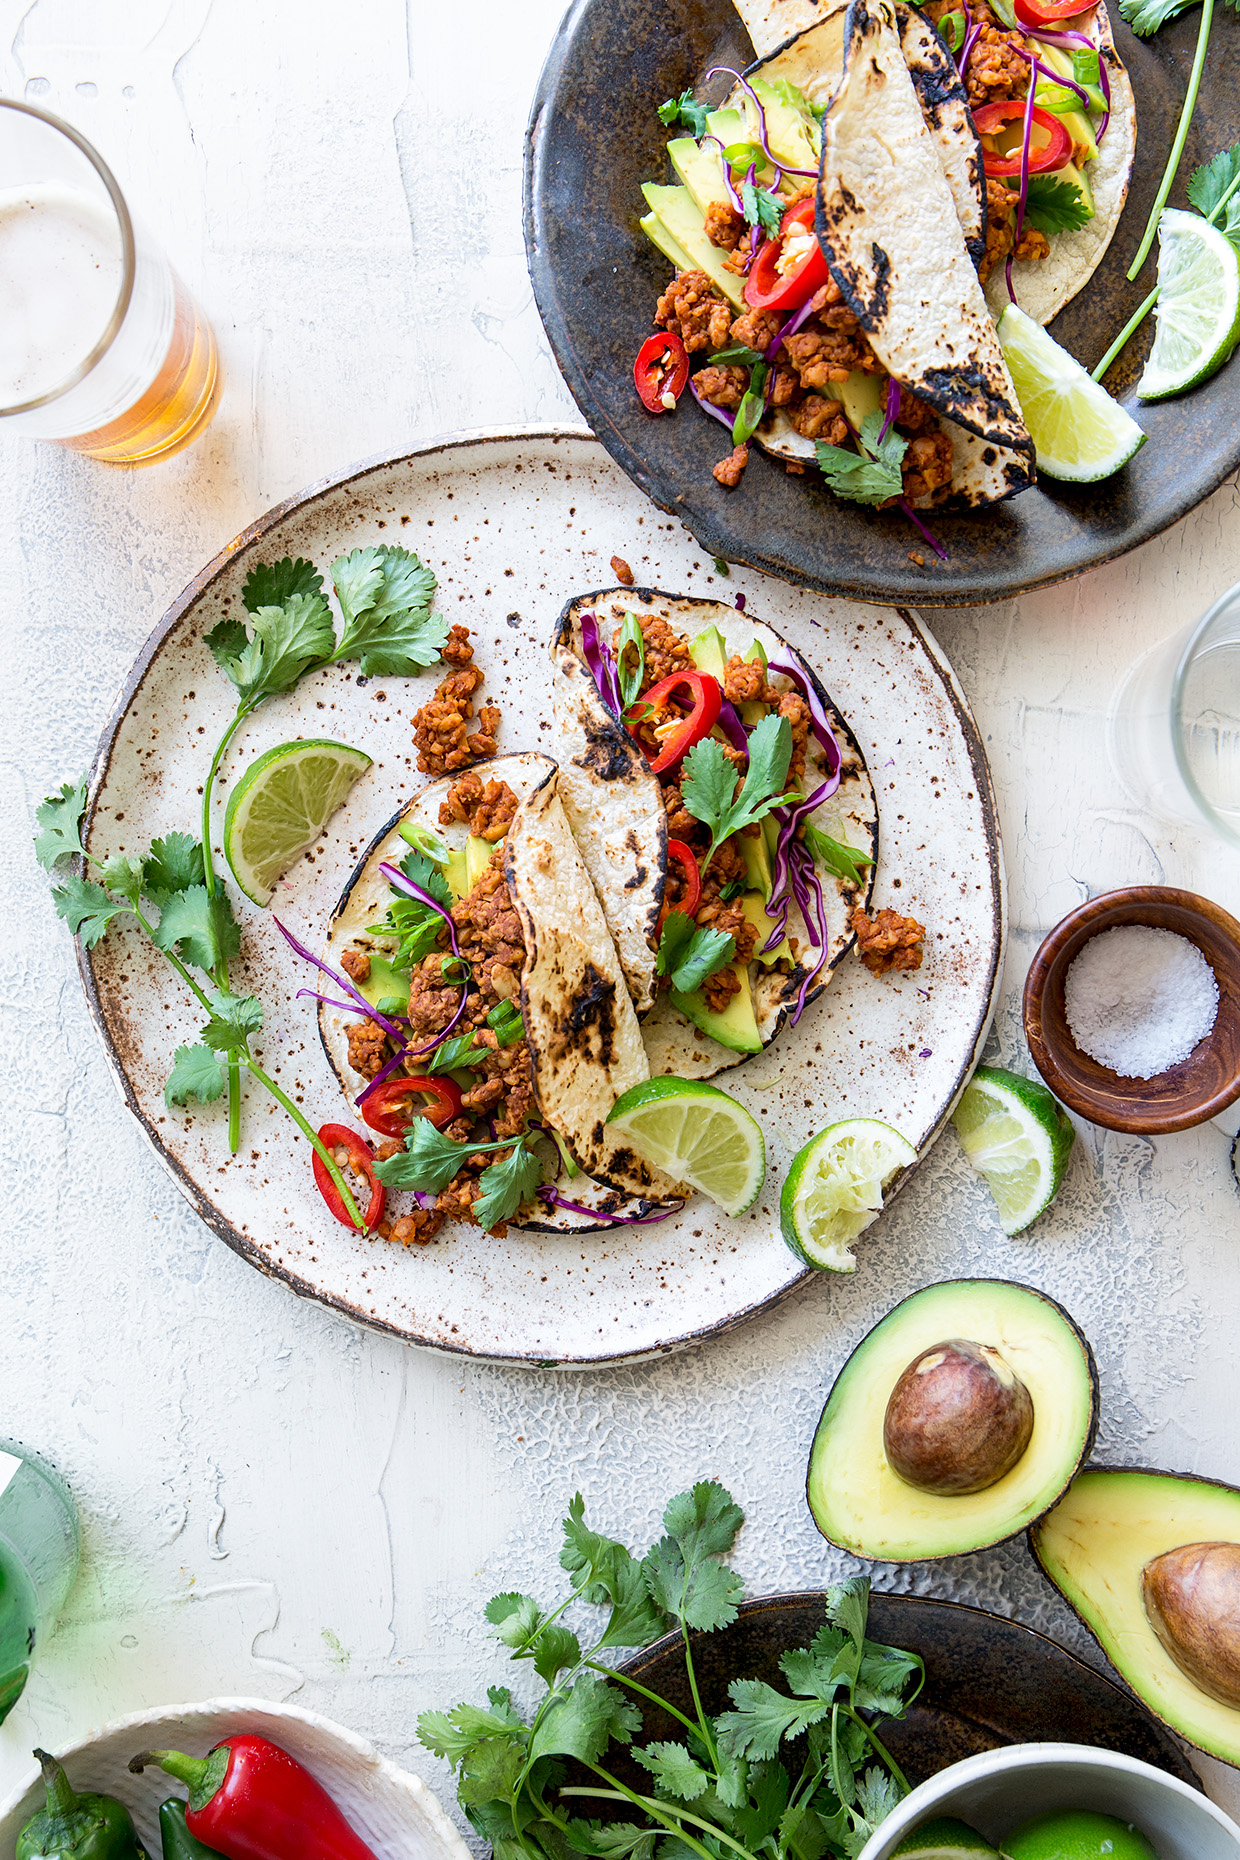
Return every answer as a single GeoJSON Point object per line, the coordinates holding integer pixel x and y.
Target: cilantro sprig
{"type": "Point", "coordinates": [708, 785]}
{"type": "Point", "coordinates": [1054, 206]}
{"type": "Point", "coordinates": [687, 954]}
{"type": "Point", "coordinates": [871, 475]}
{"type": "Point", "coordinates": [836, 856]}
{"type": "Point", "coordinates": [430, 1160]}
{"type": "Point", "coordinates": [726, 1786]}
{"type": "Point", "coordinates": [761, 207]}
{"type": "Point", "coordinates": [683, 112]}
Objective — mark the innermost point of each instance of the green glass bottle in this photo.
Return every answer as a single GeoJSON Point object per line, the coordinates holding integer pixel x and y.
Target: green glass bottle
{"type": "Point", "coordinates": [40, 1545]}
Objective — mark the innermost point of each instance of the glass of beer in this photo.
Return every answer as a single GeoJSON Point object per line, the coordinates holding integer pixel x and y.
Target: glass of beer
{"type": "Point", "coordinates": [102, 348]}
{"type": "Point", "coordinates": [40, 1543]}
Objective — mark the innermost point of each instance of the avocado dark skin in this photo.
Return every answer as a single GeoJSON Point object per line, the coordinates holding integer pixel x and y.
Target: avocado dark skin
{"type": "Point", "coordinates": [1192, 1602]}
{"type": "Point", "coordinates": [958, 1419]}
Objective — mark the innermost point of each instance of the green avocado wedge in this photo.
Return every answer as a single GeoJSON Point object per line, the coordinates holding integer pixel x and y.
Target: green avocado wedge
{"type": "Point", "coordinates": [1094, 1546]}
{"type": "Point", "coordinates": [857, 1499]}
{"type": "Point", "coordinates": [944, 1839]}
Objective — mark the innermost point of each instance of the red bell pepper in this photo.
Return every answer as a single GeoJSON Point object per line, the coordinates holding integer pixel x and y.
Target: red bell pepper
{"type": "Point", "coordinates": [685, 859]}
{"type": "Point", "coordinates": [662, 367]}
{"type": "Point", "coordinates": [392, 1108]}
{"type": "Point", "coordinates": [362, 1162]}
{"type": "Point", "coordinates": [769, 288]}
{"type": "Point", "coordinates": [250, 1800]}
{"type": "Point", "coordinates": [1044, 156]}
{"type": "Point", "coordinates": [707, 699]}
{"type": "Point", "coordinates": [1047, 12]}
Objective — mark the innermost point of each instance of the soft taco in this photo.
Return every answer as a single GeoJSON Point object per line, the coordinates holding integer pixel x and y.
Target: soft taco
{"type": "Point", "coordinates": [471, 934]}
{"type": "Point", "coordinates": [754, 893]}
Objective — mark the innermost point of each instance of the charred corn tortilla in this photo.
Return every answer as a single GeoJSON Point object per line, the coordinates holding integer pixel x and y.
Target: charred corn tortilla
{"type": "Point", "coordinates": [582, 1030]}
{"type": "Point", "coordinates": [673, 1045]}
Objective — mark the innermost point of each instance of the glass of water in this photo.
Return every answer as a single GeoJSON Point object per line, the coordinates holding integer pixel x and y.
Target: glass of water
{"type": "Point", "coordinates": [1174, 727]}
{"type": "Point", "coordinates": [40, 1545]}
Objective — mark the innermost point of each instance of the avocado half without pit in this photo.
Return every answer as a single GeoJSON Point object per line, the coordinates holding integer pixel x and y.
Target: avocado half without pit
{"type": "Point", "coordinates": [1150, 1561]}
{"type": "Point", "coordinates": [962, 1416]}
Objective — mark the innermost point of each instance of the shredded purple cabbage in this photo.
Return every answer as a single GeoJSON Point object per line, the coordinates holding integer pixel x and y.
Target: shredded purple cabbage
{"type": "Point", "coordinates": [594, 650]}
{"type": "Point", "coordinates": [966, 51]}
{"type": "Point", "coordinates": [740, 603]}
{"type": "Point", "coordinates": [738, 205]}
{"type": "Point", "coordinates": [716, 413]}
{"type": "Point", "coordinates": [1026, 138]}
{"type": "Point", "coordinates": [381, 1077]}
{"type": "Point", "coordinates": [1007, 278]}
{"type": "Point", "coordinates": [818, 930]}
{"type": "Point", "coordinates": [310, 994]}
{"type": "Point", "coordinates": [790, 328]}
{"type": "Point", "coordinates": [917, 524]}
{"type": "Point", "coordinates": [893, 407]}
{"type": "Point", "coordinates": [732, 726]}
{"type": "Point", "coordinates": [1104, 82]}
{"type": "Point", "coordinates": [1053, 77]}
{"type": "Point", "coordinates": [552, 1198]}
{"type": "Point", "coordinates": [784, 663]}
{"type": "Point", "coordinates": [342, 981]}
{"type": "Point", "coordinates": [747, 87]}
{"type": "Point", "coordinates": [781, 924]}
{"type": "Point", "coordinates": [397, 880]}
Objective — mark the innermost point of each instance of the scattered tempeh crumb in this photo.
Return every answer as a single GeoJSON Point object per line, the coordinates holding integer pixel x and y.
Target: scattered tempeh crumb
{"type": "Point", "coordinates": [621, 570]}
{"type": "Point", "coordinates": [919, 559]}
{"type": "Point", "coordinates": [441, 727]}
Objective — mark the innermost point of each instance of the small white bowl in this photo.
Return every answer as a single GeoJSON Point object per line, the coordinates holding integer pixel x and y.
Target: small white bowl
{"type": "Point", "coordinates": [394, 1813]}
{"type": "Point", "coordinates": [997, 1790]}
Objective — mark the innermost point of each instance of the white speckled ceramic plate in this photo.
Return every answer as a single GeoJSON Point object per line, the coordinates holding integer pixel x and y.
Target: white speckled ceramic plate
{"type": "Point", "coordinates": [513, 525]}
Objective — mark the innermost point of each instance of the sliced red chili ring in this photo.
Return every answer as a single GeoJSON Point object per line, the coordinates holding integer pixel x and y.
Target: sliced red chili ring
{"type": "Point", "coordinates": [768, 288]}
{"type": "Point", "coordinates": [661, 368]}
{"type": "Point", "coordinates": [362, 1162]}
{"type": "Point", "coordinates": [684, 857]}
{"type": "Point", "coordinates": [707, 699]}
{"type": "Point", "coordinates": [392, 1108]}
{"type": "Point", "coordinates": [1044, 157]}
{"type": "Point", "coordinates": [1047, 12]}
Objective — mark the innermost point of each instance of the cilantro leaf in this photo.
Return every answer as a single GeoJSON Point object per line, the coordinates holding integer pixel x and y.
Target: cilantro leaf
{"type": "Point", "coordinates": [60, 825]}
{"type": "Point", "coordinates": [709, 950]}
{"type": "Point", "coordinates": [616, 1577]}
{"type": "Point", "coordinates": [709, 780]}
{"type": "Point", "coordinates": [584, 1721]}
{"type": "Point", "coordinates": [739, 355]}
{"type": "Point", "coordinates": [675, 939]}
{"type": "Point", "coordinates": [882, 1676]}
{"type": "Point", "coordinates": [877, 1794]}
{"type": "Point", "coordinates": [1054, 206]}
{"type": "Point", "coordinates": [286, 641]}
{"type": "Point", "coordinates": [818, 1674]}
{"type": "Point", "coordinates": [682, 1579]}
{"type": "Point", "coordinates": [758, 1818]}
{"type": "Point", "coordinates": [199, 926]}
{"type": "Point", "coordinates": [124, 875]}
{"type": "Point", "coordinates": [1146, 16]}
{"type": "Point", "coordinates": [674, 1769]}
{"type": "Point", "coordinates": [762, 208]}
{"type": "Point", "coordinates": [516, 1619]}
{"type": "Point", "coordinates": [836, 856]}
{"type": "Point", "coordinates": [1210, 186]}
{"type": "Point", "coordinates": [763, 1718]}
{"type": "Point", "coordinates": [416, 927]}
{"type": "Point", "coordinates": [87, 908]}
{"type": "Point", "coordinates": [428, 1161]}
{"type": "Point", "coordinates": [385, 596]}
{"type": "Point", "coordinates": [420, 869]}
{"type": "Point", "coordinates": [173, 864]}
{"type": "Point", "coordinates": [270, 584]}
{"type": "Point", "coordinates": [848, 1607]}
{"type": "Point", "coordinates": [233, 1019]}
{"type": "Point", "coordinates": [682, 111]}
{"type": "Point", "coordinates": [227, 640]}
{"type": "Point", "coordinates": [871, 475]}
{"type": "Point", "coordinates": [196, 1073]}
{"type": "Point", "coordinates": [613, 1840]}
{"type": "Point", "coordinates": [505, 1185]}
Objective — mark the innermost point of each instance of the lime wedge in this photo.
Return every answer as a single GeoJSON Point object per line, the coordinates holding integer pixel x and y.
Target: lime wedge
{"type": "Point", "coordinates": [1019, 1137]}
{"type": "Point", "coordinates": [1078, 431]}
{"type": "Point", "coordinates": [281, 805]}
{"type": "Point", "coordinates": [834, 1189]}
{"type": "Point", "coordinates": [944, 1838]}
{"type": "Point", "coordinates": [697, 1134]}
{"type": "Point", "coordinates": [1197, 315]}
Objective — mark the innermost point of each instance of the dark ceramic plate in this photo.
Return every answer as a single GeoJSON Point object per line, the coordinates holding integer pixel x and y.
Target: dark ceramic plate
{"type": "Point", "coordinates": [988, 1682]}
{"type": "Point", "coordinates": [594, 137]}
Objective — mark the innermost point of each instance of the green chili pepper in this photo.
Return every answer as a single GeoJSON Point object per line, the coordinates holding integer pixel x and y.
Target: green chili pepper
{"type": "Point", "coordinates": [178, 1842]}
{"type": "Point", "coordinates": [77, 1827]}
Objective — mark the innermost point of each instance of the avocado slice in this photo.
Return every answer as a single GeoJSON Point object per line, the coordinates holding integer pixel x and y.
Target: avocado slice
{"type": "Point", "coordinates": [456, 873]}
{"type": "Point", "coordinates": [753, 710]}
{"type": "Point", "coordinates": [700, 168]}
{"type": "Point", "coordinates": [383, 980]}
{"type": "Point", "coordinates": [754, 907]}
{"type": "Point", "coordinates": [679, 215]}
{"type": "Point", "coordinates": [1094, 1546]}
{"type": "Point", "coordinates": [709, 652]}
{"type": "Point", "coordinates": [477, 859]}
{"type": "Point", "coordinates": [857, 1499]}
{"type": "Point", "coordinates": [1076, 122]}
{"type": "Point", "coordinates": [737, 1027]}
{"type": "Point", "coordinates": [793, 132]}
{"type": "Point", "coordinates": [862, 394]}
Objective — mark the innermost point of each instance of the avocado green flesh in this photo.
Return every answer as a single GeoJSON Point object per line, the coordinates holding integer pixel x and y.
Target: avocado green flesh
{"type": "Point", "coordinates": [736, 1028]}
{"type": "Point", "coordinates": [859, 1502]}
{"type": "Point", "coordinates": [1094, 1545]}
{"type": "Point", "coordinates": [383, 981]}
{"type": "Point", "coordinates": [679, 215]}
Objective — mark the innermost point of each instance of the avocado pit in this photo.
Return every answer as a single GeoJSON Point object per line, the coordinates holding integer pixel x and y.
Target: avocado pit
{"type": "Point", "coordinates": [1192, 1602]}
{"type": "Point", "coordinates": [958, 1419]}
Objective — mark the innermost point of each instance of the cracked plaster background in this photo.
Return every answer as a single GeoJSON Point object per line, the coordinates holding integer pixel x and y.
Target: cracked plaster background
{"type": "Point", "coordinates": [274, 1502]}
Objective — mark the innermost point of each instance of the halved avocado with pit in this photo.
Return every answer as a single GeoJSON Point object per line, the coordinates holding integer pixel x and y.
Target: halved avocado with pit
{"type": "Point", "coordinates": [1097, 1544]}
{"type": "Point", "coordinates": [859, 1501]}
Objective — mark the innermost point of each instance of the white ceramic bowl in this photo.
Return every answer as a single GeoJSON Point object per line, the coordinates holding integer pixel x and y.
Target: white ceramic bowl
{"type": "Point", "coordinates": [395, 1813]}
{"type": "Point", "coordinates": [997, 1790]}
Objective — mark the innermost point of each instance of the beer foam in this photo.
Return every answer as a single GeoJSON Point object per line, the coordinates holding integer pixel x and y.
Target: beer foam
{"type": "Point", "coordinates": [61, 266]}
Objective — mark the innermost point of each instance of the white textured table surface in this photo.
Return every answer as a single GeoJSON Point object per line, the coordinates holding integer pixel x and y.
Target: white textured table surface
{"type": "Point", "coordinates": [275, 1502]}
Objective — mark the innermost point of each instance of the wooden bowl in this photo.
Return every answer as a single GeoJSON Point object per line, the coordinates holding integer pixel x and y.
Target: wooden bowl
{"type": "Point", "coordinates": [1189, 1093]}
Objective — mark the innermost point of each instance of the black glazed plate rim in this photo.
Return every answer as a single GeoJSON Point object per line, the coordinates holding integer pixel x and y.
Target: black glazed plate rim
{"type": "Point", "coordinates": [594, 136]}
{"type": "Point", "coordinates": [960, 1644]}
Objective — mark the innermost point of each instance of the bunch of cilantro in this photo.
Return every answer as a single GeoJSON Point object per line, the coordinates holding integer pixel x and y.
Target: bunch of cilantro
{"type": "Point", "coordinates": [171, 893]}
{"type": "Point", "coordinates": [795, 1774]}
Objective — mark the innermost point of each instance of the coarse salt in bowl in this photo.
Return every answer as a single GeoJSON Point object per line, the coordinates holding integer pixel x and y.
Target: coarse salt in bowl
{"type": "Point", "coordinates": [1167, 1013]}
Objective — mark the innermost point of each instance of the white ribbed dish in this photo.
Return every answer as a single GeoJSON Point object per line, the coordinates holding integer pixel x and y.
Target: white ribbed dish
{"type": "Point", "coordinates": [395, 1813]}
{"type": "Point", "coordinates": [998, 1789]}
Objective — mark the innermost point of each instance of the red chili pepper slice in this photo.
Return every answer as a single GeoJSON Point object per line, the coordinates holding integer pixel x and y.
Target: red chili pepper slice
{"type": "Point", "coordinates": [392, 1108]}
{"type": "Point", "coordinates": [1047, 12]}
{"type": "Point", "coordinates": [684, 857]}
{"type": "Point", "coordinates": [362, 1162]}
{"type": "Point", "coordinates": [662, 367]}
{"type": "Point", "coordinates": [768, 288]}
{"type": "Point", "coordinates": [707, 699]}
{"type": "Point", "coordinates": [1044, 156]}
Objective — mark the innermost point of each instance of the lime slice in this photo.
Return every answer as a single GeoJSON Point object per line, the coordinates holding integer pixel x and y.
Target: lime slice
{"type": "Point", "coordinates": [834, 1189]}
{"type": "Point", "coordinates": [1019, 1137]}
{"type": "Point", "coordinates": [944, 1838]}
{"type": "Point", "coordinates": [1079, 432]}
{"type": "Point", "coordinates": [698, 1135]}
{"type": "Point", "coordinates": [1078, 1834]}
{"type": "Point", "coordinates": [281, 805]}
{"type": "Point", "coordinates": [1197, 315]}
